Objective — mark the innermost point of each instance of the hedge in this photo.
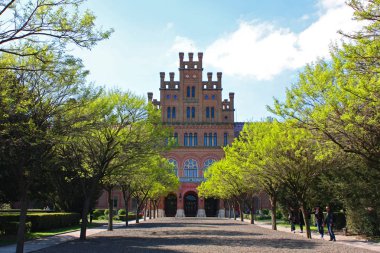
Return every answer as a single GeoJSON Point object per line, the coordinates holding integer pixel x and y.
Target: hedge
{"type": "Point", "coordinates": [43, 221]}
{"type": "Point", "coordinates": [11, 228]}
{"type": "Point", "coordinates": [131, 216]}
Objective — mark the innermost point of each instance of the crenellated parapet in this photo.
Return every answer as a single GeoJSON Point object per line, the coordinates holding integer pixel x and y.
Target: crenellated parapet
{"type": "Point", "coordinates": [190, 64]}
{"type": "Point", "coordinates": [212, 85]}
{"type": "Point", "coordinates": [168, 85]}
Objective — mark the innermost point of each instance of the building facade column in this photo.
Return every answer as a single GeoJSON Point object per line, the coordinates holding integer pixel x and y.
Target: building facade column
{"type": "Point", "coordinates": [222, 210]}
{"type": "Point", "coordinates": [180, 206]}
{"type": "Point", "coordinates": [201, 208]}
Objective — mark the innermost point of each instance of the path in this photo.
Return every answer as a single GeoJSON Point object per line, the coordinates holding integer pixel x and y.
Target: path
{"type": "Point", "coordinates": [198, 235]}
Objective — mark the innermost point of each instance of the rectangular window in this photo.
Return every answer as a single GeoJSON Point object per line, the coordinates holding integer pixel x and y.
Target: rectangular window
{"type": "Point", "coordinates": [210, 139]}
{"type": "Point", "coordinates": [115, 202]}
{"type": "Point", "coordinates": [190, 140]}
{"type": "Point", "coordinates": [193, 91]}
{"type": "Point", "coordinates": [188, 112]}
{"type": "Point", "coordinates": [207, 112]}
{"type": "Point", "coordinates": [188, 91]}
{"type": "Point", "coordinates": [215, 140]}
{"type": "Point", "coordinates": [205, 140]}
{"type": "Point", "coordinates": [195, 139]}
{"type": "Point", "coordinates": [185, 140]}
{"type": "Point", "coordinates": [193, 112]}
{"type": "Point", "coordinates": [168, 112]}
{"type": "Point", "coordinates": [225, 139]}
{"type": "Point", "coordinates": [173, 113]}
{"type": "Point", "coordinates": [212, 112]}
{"type": "Point", "coordinates": [176, 138]}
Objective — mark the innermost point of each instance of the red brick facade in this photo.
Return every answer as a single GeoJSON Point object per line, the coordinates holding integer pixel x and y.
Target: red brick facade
{"type": "Point", "coordinates": [203, 123]}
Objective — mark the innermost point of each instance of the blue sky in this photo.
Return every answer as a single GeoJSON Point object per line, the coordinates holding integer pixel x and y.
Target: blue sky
{"type": "Point", "coordinates": [260, 46]}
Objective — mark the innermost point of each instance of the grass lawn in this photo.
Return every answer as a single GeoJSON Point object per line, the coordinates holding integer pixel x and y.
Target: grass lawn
{"type": "Point", "coordinates": [282, 223]}
{"type": "Point", "coordinates": [10, 239]}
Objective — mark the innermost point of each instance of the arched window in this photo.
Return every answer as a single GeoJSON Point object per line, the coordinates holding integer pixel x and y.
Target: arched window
{"type": "Point", "coordinates": [173, 113]}
{"type": "Point", "coordinates": [210, 139]}
{"type": "Point", "coordinates": [188, 112]}
{"type": "Point", "coordinates": [206, 97]}
{"type": "Point", "coordinates": [215, 140]}
{"type": "Point", "coordinates": [208, 163]}
{"type": "Point", "coordinates": [205, 140]}
{"type": "Point", "coordinates": [191, 168]}
{"type": "Point", "coordinates": [185, 140]}
{"type": "Point", "coordinates": [188, 91]}
{"type": "Point", "coordinates": [175, 163]}
{"type": "Point", "coordinates": [195, 139]}
{"type": "Point", "coordinates": [190, 139]}
{"type": "Point", "coordinates": [168, 112]}
{"type": "Point", "coordinates": [207, 112]}
{"type": "Point", "coordinates": [193, 91]}
{"type": "Point", "coordinates": [212, 112]}
{"type": "Point", "coordinates": [176, 138]}
{"type": "Point", "coordinates": [193, 112]}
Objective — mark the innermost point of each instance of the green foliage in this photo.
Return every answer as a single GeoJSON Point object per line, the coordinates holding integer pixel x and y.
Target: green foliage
{"type": "Point", "coordinates": [97, 213]}
{"type": "Point", "coordinates": [11, 228]}
{"type": "Point", "coordinates": [265, 211]}
{"type": "Point", "coordinates": [121, 212]}
{"type": "Point", "coordinates": [42, 221]}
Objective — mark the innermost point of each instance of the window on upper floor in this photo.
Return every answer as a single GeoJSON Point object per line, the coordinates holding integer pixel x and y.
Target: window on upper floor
{"type": "Point", "coordinates": [188, 91]}
{"type": "Point", "coordinates": [213, 97]}
{"type": "Point", "coordinates": [195, 139]}
{"type": "Point", "coordinates": [193, 91]}
{"type": "Point", "coordinates": [225, 142]}
{"type": "Point", "coordinates": [168, 112]}
{"type": "Point", "coordinates": [190, 139]}
{"type": "Point", "coordinates": [176, 138]}
{"type": "Point", "coordinates": [212, 112]}
{"type": "Point", "coordinates": [205, 140]}
{"type": "Point", "coordinates": [193, 112]}
{"type": "Point", "coordinates": [185, 140]}
{"type": "Point", "coordinates": [210, 139]}
{"type": "Point", "coordinates": [206, 97]}
{"type": "Point", "coordinates": [175, 165]}
{"type": "Point", "coordinates": [188, 112]}
{"type": "Point", "coordinates": [190, 168]}
{"type": "Point", "coordinates": [215, 140]}
{"type": "Point", "coordinates": [173, 113]}
{"type": "Point", "coordinates": [207, 112]}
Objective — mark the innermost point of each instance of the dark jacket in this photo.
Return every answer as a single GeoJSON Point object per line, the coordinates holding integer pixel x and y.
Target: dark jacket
{"type": "Point", "coordinates": [329, 221]}
{"type": "Point", "coordinates": [319, 217]}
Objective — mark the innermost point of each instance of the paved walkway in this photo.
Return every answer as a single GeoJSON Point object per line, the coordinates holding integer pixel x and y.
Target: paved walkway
{"type": "Point", "coordinates": [45, 242]}
{"type": "Point", "coordinates": [354, 241]}
{"type": "Point", "coordinates": [198, 235]}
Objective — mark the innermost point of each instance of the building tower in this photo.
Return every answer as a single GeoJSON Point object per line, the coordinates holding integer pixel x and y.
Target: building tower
{"type": "Point", "coordinates": [203, 123]}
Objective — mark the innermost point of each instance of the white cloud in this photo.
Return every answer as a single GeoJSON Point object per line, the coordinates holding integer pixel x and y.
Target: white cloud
{"type": "Point", "coordinates": [183, 44]}
{"type": "Point", "coordinates": [260, 50]}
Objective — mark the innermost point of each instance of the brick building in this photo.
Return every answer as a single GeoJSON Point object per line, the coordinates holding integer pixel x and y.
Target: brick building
{"type": "Point", "coordinates": [203, 123]}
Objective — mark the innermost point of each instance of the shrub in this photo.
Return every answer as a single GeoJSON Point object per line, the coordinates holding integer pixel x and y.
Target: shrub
{"type": "Point", "coordinates": [362, 221]}
{"type": "Point", "coordinates": [97, 213]}
{"type": "Point", "coordinates": [121, 212]}
{"type": "Point", "coordinates": [131, 216]}
{"type": "Point", "coordinates": [43, 221]}
{"type": "Point", "coordinates": [11, 228]}
{"type": "Point", "coordinates": [106, 212]}
{"type": "Point", "coordinates": [265, 211]}
{"type": "Point", "coordinates": [279, 214]}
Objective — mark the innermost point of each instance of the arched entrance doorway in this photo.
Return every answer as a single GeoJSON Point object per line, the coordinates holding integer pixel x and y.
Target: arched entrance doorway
{"type": "Point", "coordinates": [211, 207]}
{"type": "Point", "coordinates": [191, 204]}
{"type": "Point", "coordinates": [170, 205]}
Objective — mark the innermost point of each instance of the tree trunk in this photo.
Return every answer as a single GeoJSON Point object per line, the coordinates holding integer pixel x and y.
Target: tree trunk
{"type": "Point", "coordinates": [137, 211]}
{"type": "Point", "coordinates": [306, 221]}
{"type": "Point", "coordinates": [110, 210]}
{"type": "Point", "coordinates": [22, 220]}
{"type": "Point", "coordinates": [234, 210]}
{"type": "Point", "coordinates": [241, 212]}
{"type": "Point", "coordinates": [83, 227]}
{"type": "Point", "coordinates": [150, 210]}
{"type": "Point", "coordinates": [252, 215]}
{"type": "Point", "coordinates": [273, 201]}
{"type": "Point", "coordinates": [126, 202]}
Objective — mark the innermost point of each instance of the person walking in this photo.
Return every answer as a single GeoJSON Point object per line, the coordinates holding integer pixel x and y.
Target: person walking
{"type": "Point", "coordinates": [292, 220]}
{"type": "Point", "coordinates": [301, 221]}
{"type": "Point", "coordinates": [319, 219]}
{"type": "Point", "coordinates": [329, 221]}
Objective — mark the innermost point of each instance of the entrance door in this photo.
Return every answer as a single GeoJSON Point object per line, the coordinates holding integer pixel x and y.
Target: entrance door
{"type": "Point", "coordinates": [191, 205]}
{"type": "Point", "coordinates": [211, 207]}
{"type": "Point", "coordinates": [170, 205]}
